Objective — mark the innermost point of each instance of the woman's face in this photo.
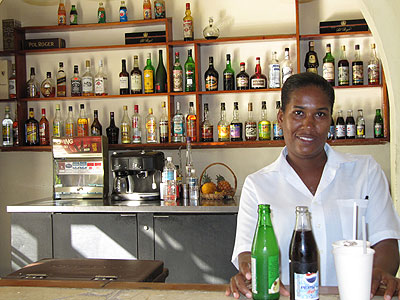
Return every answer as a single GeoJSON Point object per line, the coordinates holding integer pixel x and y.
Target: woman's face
{"type": "Point", "coordinates": [305, 122]}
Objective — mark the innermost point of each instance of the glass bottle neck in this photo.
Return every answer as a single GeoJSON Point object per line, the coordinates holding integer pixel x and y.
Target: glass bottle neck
{"type": "Point", "coordinates": [264, 218]}
{"type": "Point", "coordinates": [302, 221]}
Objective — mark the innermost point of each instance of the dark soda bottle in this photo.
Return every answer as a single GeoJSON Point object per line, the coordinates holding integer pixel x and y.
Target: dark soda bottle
{"type": "Point", "coordinates": [303, 259]}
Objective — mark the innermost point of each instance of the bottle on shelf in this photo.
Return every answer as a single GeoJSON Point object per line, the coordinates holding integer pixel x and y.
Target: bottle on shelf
{"type": "Point", "coordinates": [190, 81]}
{"type": "Point", "coordinates": [276, 129]}
{"type": "Point", "coordinates": [112, 131]}
{"type": "Point", "coordinates": [61, 81]}
{"type": "Point", "coordinates": [258, 80]}
{"type": "Point", "coordinates": [146, 9]}
{"type": "Point", "coordinates": [207, 130]}
{"type": "Point", "coordinates": [151, 127]}
{"type": "Point", "coordinates": [188, 31]}
{"type": "Point", "coordinates": [70, 123]}
{"type": "Point", "coordinates": [311, 62]}
{"type": "Point", "coordinates": [7, 128]}
{"type": "Point", "coordinates": [62, 13]}
{"type": "Point", "coordinates": [100, 81]}
{"type": "Point", "coordinates": [32, 86]}
{"type": "Point", "coordinates": [331, 132]}
{"type": "Point", "coordinates": [12, 84]}
{"type": "Point", "coordinates": [73, 15]}
{"type": "Point", "coordinates": [177, 75]}
{"type": "Point", "coordinates": [31, 129]}
{"type": "Point", "coordinates": [148, 76]}
{"type": "Point", "coordinates": [242, 78]}
{"type": "Point", "coordinates": [340, 132]}
{"type": "Point", "coordinates": [229, 75]}
{"type": "Point", "coordinates": [76, 83]}
{"type": "Point", "coordinates": [101, 13]}
{"type": "Point", "coordinates": [350, 125]}
{"type": "Point", "coordinates": [360, 123]}
{"type": "Point", "coordinates": [223, 126]}
{"type": "Point", "coordinates": [373, 68]}
{"type": "Point", "coordinates": [124, 81]}
{"type": "Point", "coordinates": [15, 130]}
{"type": "Point", "coordinates": [87, 81]}
{"type": "Point", "coordinates": [164, 124]}
{"type": "Point", "coordinates": [123, 12]}
{"type": "Point", "coordinates": [211, 32]}
{"type": "Point", "coordinates": [286, 66]}
{"type": "Point", "coordinates": [44, 130]}
{"type": "Point", "coordinates": [274, 72]}
{"type": "Point", "coordinates": [169, 183]}
{"type": "Point", "coordinates": [159, 9]}
{"type": "Point", "coordinates": [82, 122]}
{"type": "Point", "coordinates": [236, 127]}
{"type": "Point", "coordinates": [250, 125]}
{"type": "Point", "coordinates": [48, 87]}
{"type": "Point", "coordinates": [328, 66]}
{"type": "Point", "coordinates": [378, 124]}
{"type": "Point", "coordinates": [96, 129]}
{"type": "Point", "coordinates": [136, 77]}
{"type": "Point", "coordinates": [189, 160]}
{"type": "Point", "coordinates": [161, 75]}
{"type": "Point", "coordinates": [125, 127]}
{"type": "Point", "coordinates": [357, 67]}
{"type": "Point", "coordinates": [343, 68]}
{"type": "Point", "coordinates": [264, 125]}
{"type": "Point", "coordinates": [191, 123]}
{"type": "Point", "coordinates": [57, 123]}
{"type": "Point", "coordinates": [193, 184]}
{"type": "Point", "coordinates": [211, 76]}
{"type": "Point", "coordinates": [178, 125]}
{"type": "Point", "coordinates": [136, 126]}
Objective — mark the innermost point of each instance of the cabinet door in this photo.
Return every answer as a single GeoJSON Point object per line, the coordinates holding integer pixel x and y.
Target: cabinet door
{"type": "Point", "coordinates": [196, 248]}
{"type": "Point", "coordinates": [95, 236]}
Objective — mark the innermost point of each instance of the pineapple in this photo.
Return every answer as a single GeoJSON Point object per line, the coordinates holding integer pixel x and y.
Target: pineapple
{"type": "Point", "coordinates": [208, 186]}
{"type": "Point", "coordinates": [224, 186]}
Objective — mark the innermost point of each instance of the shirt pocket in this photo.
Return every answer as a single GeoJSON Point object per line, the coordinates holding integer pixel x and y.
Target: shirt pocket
{"type": "Point", "coordinates": [345, 207]}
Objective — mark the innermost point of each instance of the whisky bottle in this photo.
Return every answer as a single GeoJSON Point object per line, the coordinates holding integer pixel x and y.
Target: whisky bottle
{"type": "Point", "coordinates": [378, 124]}
{"type": "Point", "coordinates": [32, 86]}
{"type": "Point", "coordinates": [70, 123]}
{"type": "Point", "coordinates": [191, 123]}
{"type": "Point", "coordinates": [373, 68]}
{"type": "Point", "coordinates": [229, 75]}
{"type": "Point", "coordinates": [124, 80]}
{"type": "Point", "coordinates": [164, 124]}
{"type": "Point", "coordinates": [161, 75]}
{"type": "Point", "coordinates": [151, 127]}
{"type": "Point", "coordinates": [7, 128]}
{"type": "Point", "coordinates": [82, 122]}
{"type": "Point", "coordinates": [276, 128]}
{"type": "Point", "coordinates": [100, 81]}
{"type": "Point", "coordinates": [31, 130]}
{"type": "Point", "coordinates": [73, 16]}
{"type": "Point", "coordinates": [136, 126]}
{"type": "Point", "coordinates": [343, 68]}
{"type": "Point", "coordinates": [350, 125]}
{"type": "Point", "coordinates": [264, 125]}
{"type": "Point", "coordinates": [250, 125]}
{"type": "Point", "coordinates": [159, 9]}
{"type": "Point", "coordinates": [101, 13]}
{"type": "Point", "coordinates": [258, 80]}
{"type": "Point", "coordinates": [146, 9]}
{"type": "Point", "coordinates": [136, 77]}
{"type": "Point", "coordinates": [360, 125]}
{"type": "Point", "coordinates": [76, 83]}
{"type": "Point", "coordinates": [274, 72]}
{"type": "Point", "coordinates": [242, 78]}
{"type": "Point", "coordinates": [112, 131]}
{"type": "Point", "coordinates": [148, 76]}
{"type": "Point", "coordinates": [311, 62]}
{"type": "Point", "coordinates": [62, 13]}
{"type": "Point", "coordinates": [125, 127]}
{"type": "Point", "coordinates": [96, 129]}
{"type": "Point", "coordinates": [328, 67]}
{"type": "Point", "coordinates": [286, 66]}
{"type": "Point", "coordinates": [123, 12]}
{"type": "Point", "coordinates": [177, 75]}
{"type": "Point", "coordinates": [207, 134]}
{"type": "Point", "coordinates": [48, 87]}
{"type": "Point", "coordinates": [340, 132]}
{"type": "Point", "coordinates": [190, 80]}
{"type": "Point", "coordinates": [44, 130]}
{"type": "Point", "coordinates": [211, 76]}
{"type": "Point", "coordinates": [87, 81]}
{"type": "Point", "coordinates": [357, 67]}
{"type": "Point", "coordinates": [57, 123]}
{"type": "Point", "coordinates": [61, 81]}
{"type": "Point", "coordinates": [178, 125]}
{"type": "Point", "coordinates": [188, 31]}
{"type": "Point", "coordinates": [236, 127]}
{"type": "Point", "coordinates": [223, 126]}
{"type": "Point", "coordinates": [12, 84]}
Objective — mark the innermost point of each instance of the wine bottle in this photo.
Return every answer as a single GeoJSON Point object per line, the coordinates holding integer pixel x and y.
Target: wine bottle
{"type": "Point", "coordinates": [357, 67]}
{"type": "Point", "coordinates": [161, 75]}
{"type": "Point", "coordinates": [136, 77]}
{"type": "Point", "coordinates": [112, 131]}
{"type": "Point", "coordinates": [124, 80]}
{"type": "Point", "coordinates": [229, 75]}
{"type": "Point", "coordinates": [328, 67]}
{"type": "Point", "coordinates": [311, 62]}
{"type": "Point", "coordinates": [343, 68]}
{"type": "Point", "coordinates": [190, 81]}
{"type": "Point", "coordinates": [177, 75]}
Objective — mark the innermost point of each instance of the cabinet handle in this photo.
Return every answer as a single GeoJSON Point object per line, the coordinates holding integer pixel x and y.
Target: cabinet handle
{"type": "Point", "coordinates": [128, 215]}
{"type": "Point", "coordinates": [158, 216]}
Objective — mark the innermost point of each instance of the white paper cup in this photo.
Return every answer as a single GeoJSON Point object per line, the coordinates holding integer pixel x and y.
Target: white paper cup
{"type": "Point", "coordinates": [353, 272]}
{"type": "Point", "coordinates": [350, 243]}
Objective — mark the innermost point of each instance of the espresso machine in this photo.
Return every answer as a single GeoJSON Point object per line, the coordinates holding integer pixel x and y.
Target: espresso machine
{"type": "Point", "coordinates": [137, 177]}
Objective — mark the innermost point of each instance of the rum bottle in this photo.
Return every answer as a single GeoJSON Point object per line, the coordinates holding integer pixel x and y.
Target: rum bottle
{"type": "Point", "coordinates": [70, 123]}
{"type": "Point", "coordinates": [15, 129]}
{"type": "Point", "coordinates": [211, 76]}
{"type": "Point", "coordinates": [146, 9]}
{"type": "Point", "coordinates": [76, 83]}
{"type": "Point", "coordinates": [31, 130]}
{"type": "Point", "coordinates": [378, 124]}
{"type": "Point", "coordinates": [32, 86]}
{"type": "Point", "coordinates": [62, 13]}
{"type": "Point", "coordinates": [350, 125]}
{"type": "Point", "coordinates": [373, 68]}
{"type": "Point", "coordinates": [274, 72]}
{"type": "Point", "coordinates": [124, 80]}
{"type": "Point", "coordinates": [190, 80]}
{"type": "Point", "coordinates": [178, 125]}
{"type": "Point", "coordinates": [258, 80]}
{"type": "Point", "coordinates": [229, 75]}
{"type": "Point", "coordinates": [112, 131]}
{"type": "Point", "coordinates": [101, 13]}
{"type": "Point", "coordinates": [136, 126]}
{"type": "Point", "coordinates": [177, 75]}
{"type": "Point", "coordinates": [123, 12]}
{"type": "Point", "coordinates": [328, 67]}
{"type": "Point", "coordinates": [242, 78]}
{"type": "Point", "coordinates": [148, 76]}
{"type": "Point", "coordinates": [340, 132]}
{"type": "Point", "coordinates": [12, 84]}
{"type": "Point", "coordinates": [159, 9]}
{"type": "Point", "coordinates": [48, 87]}
{"type": "Point", "coordinates": [7, 128]}
{"type": "Point", "coordinates": [73, 16]}
{"type": "Point", "coordinates": [286, 66]}
{"type": "Point", "coordinates": [82, 122]}
{"type": "Point", "coordinates": [61, 81]}
{"type": "Point", "coordinates": [96, 129]}
{"type": "Point", "coordinates": [188, 31]}
{"type": "Point", "coordinates": [191, 123]}
{"type": "Point", "coordinates": [223, 126]}
{"type": "Point", "coordinates": [164, 124]}
{"type": "Point", "coordinates": [207, 130]}
{"type": "Point", "coordinates": [264, 125]}
{"type": "Point", "coordinates": [357, 67]}
{"type": "Point", "coordinates": [87, 81]}
{"type": "Point", "coordinates": [311, 62]}
{"type": "Point", "coordinates": [151, 127]}
{"type": "Point", "coordinates": [250, 125]}
{"type": "Point", "coordinates": [276, 128]}
{"type": "Point", "coordinates": [57, 123]}
{"type": "Point", "coordinates": [236, 127]}
{"type": "Point", "coordinates": [360, 123]}
{"type": "Point", "coordinates": [100, 81]}
{"type": "Point", "coordinates": [125, 127]}
{"type": "Point", "coordinates": [343, 68]}
{"type": "Point", "coordinates": [136, 77]}
{"type": "Point", "coordinates": [44, 130]}
{"type": "Point", "coordinates": [161, 75]}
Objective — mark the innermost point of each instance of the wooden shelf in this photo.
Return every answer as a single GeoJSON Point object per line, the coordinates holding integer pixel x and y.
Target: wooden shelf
{"type": "Point", "coordinates": [7, 53]}
{"type": "Point", "coordinates": [358, 86]}
{"type": "Point", "coordinates": [69, 98]}
{"type": "Point", "coordinates": [7, 100]}
{"type": "Point", "coordinates": [335, 35]}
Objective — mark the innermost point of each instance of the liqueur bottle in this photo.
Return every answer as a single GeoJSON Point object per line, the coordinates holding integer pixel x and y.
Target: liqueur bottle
{"type": "Point", "coordinates": [223, 126]}
{"type": "Point", "coordinates": [87, 81]}
{"type": "Point", "coordinates": [159, 9]}
{"type": "Point", "coordinates": [31, 130]}
{"type": "Point", "coordinates": [12, 84]}
{"type": "Point", "coordinates": [178, 125]}
{"type": "Point", "coordinates": [70, 123]}
{"type": "Point", "coordinates": [76, 83]}
{"type": "Point", "coordinates": [229, 75]}
{"type": "Point", "coordinates": [373, 68]}
{"type": "Point", "coordinates": [112, 131]}
{"type": "Point", "coordinates": [236, 127]}
{"type": "Point", "coordinates": [207, 130]}
{"type": "Point", "coordinates": [210, 32]}
{"type": "Point", "coordinates": [242, 78]}
{"type": "Point", "coordinates": [164, 124]}
{"type": "Point", "coordinates": [360, 123]}
{"type": "Point", "coordinates": [148, 76]}
{"type": "Point", "coordinates": [44, 130]}
{"type": "Point", "coordinates": [15, 129]}
{"type": "Point", "coordinates": [151, 127]}
{"type": "Point", "coordinates": [211, 76]}
{"type": "Point", "coordinates": [340, 126]}
{"type": "Point", "coordinates": [264, 125]}
{"type": "Point", "coordinates": [378, 124]}
{"type": "Point", "coordinates": [124, 80]}
{"type": "Point", "coordinates": [190, 81]}
{"type": "Point", "coordinates": [258, 80]}
{"type": "Point", "coordinates": [57, 123]}
{"type": "Point", "coordinates": [328, 67]}
{"type": "Point", "coordinates": [73, 16]}
{"type": "Point", "coordinates": [191, 122]}
{"type": "Point", "coordinates": [100, 81]}
{"type": "Point", "coordinates": [250, 125]}
{"type": "Point", "coordinates": [161, 75]}
{"type": "Point", "coordinates": [136, 126]}
{"type": "Point", "coordinates": [82, 122]}
{"type": "Point", "coordinates": [101, 13]}
{"type": "Point", "coordinates": [276, 129]}
{"type": "Point", "coordinates": [343, 68]}
{"type": "Point", "coordinates": [136, 77]}
{"type": "Point", "coordinates": [48, 87]}
{"type": "Point", "coordinates": [286, 66]}
{"type": "Point", "coordinates": [357, 67]}
{"type": "Point", "coordinates": [311, 62]}
{"type": "Point", "coordinates": [123, 12]}
{"type": "Point", "coordinates": [7, 128]}
{"type": "Point", "coordinates": [96, 129]}
{"type": "Point", "coordinates": [177, 75]}
{"type": "Point", "coordinates": [125, 127]}
{"type": "Point", "coordinates": [146, 9]}
{"type": "Point", "coordinates": [62, 13]}
{"type": "Point", "coordinates": [274, 72]}
{"type": "Point", "coordinates": [61, 81]}
{"type": "Point", "coordinates": [32, 86]}
{"type": "Point", "coordinates": [188, 31]}
{"type": "Point", "coordinates": [350, 125]}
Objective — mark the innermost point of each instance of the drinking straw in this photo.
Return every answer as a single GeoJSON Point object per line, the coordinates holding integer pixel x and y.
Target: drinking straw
{"type": "Point", "coordinates": [364, 234]}
{"type": "Point", "coordinates": [354, 221]}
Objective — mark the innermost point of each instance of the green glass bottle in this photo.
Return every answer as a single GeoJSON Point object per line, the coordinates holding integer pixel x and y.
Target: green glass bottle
{"type": "Point", "coordinates": [161, 75]}
{"type": "Point", "coordinates": [265, 258]}
{"type": "Point", "coordinates": [328, 68]}
{"type": "Point", "coordinates": [190, 80]}
{"type": "Point", "coordinates": [229, 75]}
{"type": "Point", "coordinates": [378, 124]}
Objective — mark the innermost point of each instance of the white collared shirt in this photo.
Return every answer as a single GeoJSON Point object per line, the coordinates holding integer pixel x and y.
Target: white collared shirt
{"type": "Point", "coordinates": [346, 179]}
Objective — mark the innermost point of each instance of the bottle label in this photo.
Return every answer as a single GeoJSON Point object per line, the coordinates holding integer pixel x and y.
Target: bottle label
{"type": "Point", "coordinates": [274, 76]}
{"type": "Point", "coordinates": [69, 129]}
{"type": "Point", "coordinates": [31, 133]}
{"type": "Point", "coordinates": [159, 10]}
{"type": "Point", "coordinates": [312, 70]}
{"type": "Point", "coordinates": [350, 130]}
{"type": "Point", "coordinates": [278, 132]}
{"type": "Point", "coordinates": [7, 134]}
{"type": "Point", "coordinates": [136, 132]}
{"type": "Point", "coordinates": [242, 82]}
{"type": "Point", "coordinates": [62, 19]}
{"type": "Point", "coordinates": [87, 84]}
{"type": "Point", "coordinates": [358, 74]}
{"type": "Point", "coordinates": [151, 131]}
{"type": "Point", "coordinates": [343, 76]}
{"type": "Point", "coordinates": [124, 82]}
{"type": "Point", "coordinates": [207, 132]}
{"type": "Point", "coordinates": [328, 71]}
{"type": "Point", "coordinates": [191, 128]}
{"type": "Point", "coordinates": [378, 130]}
{"type": "Point", "coordinates": [223, 132]}
{"type": "Point", "coordinates": [373, 74]}
{"type": "Point", "coordinates": [251, 130]}
{"type": "Point", "coordinates": [99, 85]}
{"type": "Point", "coordinates": [188, 29]}
{"type": "Point", "coordinates": [136, 82]}
{"type": "Point", "coordinates": [306, 286]}
{"type": "Point", "coordinates": [312, 59]}
{"type": "Point", "coordinates": [42, 134]}
{"type": "Point", "coordinates": [211, 83]}
{"type": "Point", "coordinates": [95, 131]}
{"type": "Point", "coordinates": [163, 129]}
{"type": "Point", "coordinates": [340, 131]}
{"type": "Point", "coordinates": [258, 83]}
{"type": "Point", "coordinates": [178, 80]}
{"type": "Point", "coordinates": [360, 131]}
{"type": "Point", "coordinates": [286, 73]}
{"type": "Point", "coordinates": [265, 271]}
{"type": "Point", "coordinates": [73, 19]}
{"type": "Point", "coordinates": [178, 128]}
{"type": "Point", "coordinates": [82, 129]}
{"type": "Point", "coordinates": [12, 88]}
{"type": "Point", "coordinates": [125, 134]}
{"type": "Point", "coordinates": [189, 79]}
{"type": "Point", "coordinates": [264, 131]}
{"type": "Point", "coordinates": [76, 87]}
{"type": "Point", "coordinates": [123, 15]}
{"type": "Point", "coordinates": [235, 131]}
{"type": "Point", "coordinates": [148, 81]}
{"type": "Point", "coordinates": [147, 13]}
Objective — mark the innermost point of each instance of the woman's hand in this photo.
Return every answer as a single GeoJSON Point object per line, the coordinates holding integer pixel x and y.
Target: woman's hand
{"type": "Point", "coordinates": [382, 278]}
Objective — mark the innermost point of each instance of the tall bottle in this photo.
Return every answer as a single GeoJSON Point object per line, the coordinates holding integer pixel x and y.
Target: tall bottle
{"type": "Point", "coordinates": [100, 81]}
{"type": "Point", "coordinates": [148, 76]}
{"type": "Point", "coordinates": [136, 77]}
{"type": "Point", "coordinates": [188, 32]}
{"type": "Point", "coordinates": [48, 87]}
{"type": "Point", "coordinates": [343, 68]}
{"type": "Point", "coordinates": [265, 258]}
{"type": "Point", "coordinates": [328, 67]}
{"type": "Point", "coordinates": [350, 125]}
{"type": "Point", "coordinates": [31, 130]}
{"type": "Point", "coordinates": [360, 123]}
{"type": "Point", "coordinates": [70, 123]}
{"type": "Point", "coordinates": [7, 128]}
{"type": "Point", "coordinates": [123, 12]}
{"type": "Point", "coordinates": [207, 134]}
{"type": "Point", "coordinates": [242, 78]}
{"type": "Point", "coordinates": [264, 125]}
{"type": "Point", "coordinates": [258, 80]}
{"type": "Point", "coordinates": [146, 9]}
{"type": "Point", "coordinates": [61, 81]}
{"type": "Point", "coordinates": [357, 67]}
{"type": "Point", "coordinates": [96, 129]}
{"type": "Point", "coordinates": [189, 160]}
{"type": "Point", "coordinates": [76, 83]}
{"type": "Point", "coordinates": [311, 62]}
{"type": "Point", "coordinates": [125, 127]}
{"type": "Point", "coordinates": [229, 75]}
{"type": "Point", "coordinates": [250, 125]}
{"type": "Point", "coordinates": [286, 66]}
{"type": "Point", "coordinates": [373, 68]}
{"type": "Point", "coordinates": [124, 88]}
{"type": "Point", "coordinates": [190, 80]}
{"type": "Point", "coordinates": [178, 125]}
{"type": "Point", "coordinates": [169, 183]}
{"type": "Point", "coordinates": [211, 76]}
{"type": "Point", "coordinates": [378, 124]}
{"type": "Point", "coordinates": [15, 128]}
{"type": "Point", "coordinates": [236, 127]}
{"type": "Point", "coordinates": [112, 131]}
{"type": "Point", "coordinates": [303, 259]}
{"type": "Point", "coordinates": [151, 127]}
{"type": "Point", "coordinates": [136, 126]}
{"type": "Point", "coordinates": [164, 124]}
{"type": "Point", "coordinates": [177, 75]}
{"type": "Point", "coordinates": [62, 13]}
{"type": "Point", "coordinates": [161, 75]}
{"type": "Point", "coordinates": [32, 86]}
{"type": "Point", "coordinates": [340, 126]}
{"type": "Point", "coordinates": [73, 15]}
{"type": "Point", "coordinates": [274, 72]}
{"type": "Point", "coordinates": [57, 123]}
{"type": "Point", "coordinates": [101, 13]}
{"type": "Point", "coordinates": [191, 123]}
{"type": "Point", "coordinates": [44, 130]}
{"type": "Point", "coordinates": [276, 129]}
{"type": "Point", "coordinates": [87, 81]}
{"type": "Point", "coordinates": [12, 84]}
{"type": "Point", "coordinates": [223, 126]}
{"type": "Point", "coordinates": [159, 9]}
{"type": "Point", "coordinates": [82, 122]}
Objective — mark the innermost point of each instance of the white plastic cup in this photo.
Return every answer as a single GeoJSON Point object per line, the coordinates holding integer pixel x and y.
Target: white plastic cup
{"type": "Point", "coordinates": [353, 272]}
{"type": "Point", "coordinates": [350, 243]}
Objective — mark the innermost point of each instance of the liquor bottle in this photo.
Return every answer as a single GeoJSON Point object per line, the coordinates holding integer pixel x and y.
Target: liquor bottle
{"type": "Point", "coordinates": [340, 132]}
{"type": "Point", "coordinates": [210, 32]}
{"type": "Point", "coordinates": [169, 183]}
{"type": "Point", "coordinates": [286, 66]}
{"type": "Point", "coordinates": [164, 124]}
{"type": "Point", "coordinates": [331, 132]}
{"type": "Point", "coordinates": [73, 16]}
{"type": "Point", "coordinates": [242, 78]}
{"type": "Point", "coordinates": [274, 72]}
{"type": "Point", "coordinates": [378, 124]}
{"type": "Point", "coordinates": [188, 31]}
{"type": "Point", "coordinates": [343, 68]}
{"type": "Point", "coordinates": [159, 9]}
{"type": "Point", "coordinates": [61, 81]}
{"type": "Point", "coordinates": [76, 83]}
{"type": "Point", "coordinates": [96, 129]}
{"type": "Point", "coordinates": [124, 80]}
{"type": "Point", "coordinates": [161, 75]}
{"type": "Point", "coordinates": [15, 129]}
{"type": "Point", "coordinates": [189, 161]}
{"type": "Point", "coordinates": [125, 127]}
{"type": "Point", "coordinates": [148, 76]}
{"type": "Point", "coordinates": [112, 131]}
{"type": "Point", "coordinates": [328, 67]}
{"type": "Point", "coordinates": [264, 125]}
{"type": "Point", "coordinates": [87, 81]}
{"type": "Point", "coordinates": [360, 123]}
{"type": "Point", "coordinates": [100, 81]}
{"type": "Point", "coordinates": [191, 123]}
{"type": "Point", "coordinates": [211, 76]}
{"type": "Point", "coordinates": [265, 257]}
{"type": "Point", "coordinates": [31, 130]}
{"type": "Point", "coordinates": [276, 129]}
{"type": "Point", "coordinates": [178, 125]}
{"type": "Point", "coordinates": [136, 77]}
{"type": "Point", "coordinates": [123, 12]}
{"type": "Point", "coordinates": [146, 9]}
{"type": "Point", "coordinates": [177, 75]}
{"type": "Point", "coordinates": [82, 122]}
{"type": "Point", "coordinates": [303, 258]}
{"type": "Point", "coordinates": [7, 128]}
{"type": "Point", "coordinates": [151, 127]}
{"type": "Point", "coordinates": [223, 126]}
{"type": "Point", "coordinates": [62, 13]}
{"type": "Point", "coordinates": [57, 123]}
{"type": "Point", "coordinates": [32, 86]}
{"type": "Point", "coordinates": [12, 84]}
{"type": "Point", "coordinates": [207, 130]}
{"type": "Point", "coordinates": [44, 130]}
{"type": "Point", "coordinates": [258, 80]}
{"type": "Point", "coordinates": [70, 123]}
{"type": "Point", "coordinates": [350, 125]}
{"type": "Point", "coordinates": [250, 125]}
{"type": "Point", "coordinates": [236, 127]}
{"type": "Point", "coordinates": [357, 67]}
{"type": "Point", "coordinates": [229, 75]}
{"type": "Point", "coordinates": [311, 62]}
{"type": "Point", "coordinates": [48, 87]}
{"type": "Point", "coordinates": [136, 126]}
{"type": "Point", "coordinates": [101, 13]}
{"type": "Point", "coordinates": [373, 68]}
{"type": "Point", "coordinates": [190, 81]}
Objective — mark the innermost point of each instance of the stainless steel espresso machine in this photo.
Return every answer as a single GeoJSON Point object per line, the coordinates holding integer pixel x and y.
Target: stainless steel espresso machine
{"type": "Point", "coordinates": [137, 176]}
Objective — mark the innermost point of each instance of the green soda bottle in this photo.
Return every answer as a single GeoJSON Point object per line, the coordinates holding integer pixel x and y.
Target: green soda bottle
{"type": "Point", "coordinates": [265, 258]}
